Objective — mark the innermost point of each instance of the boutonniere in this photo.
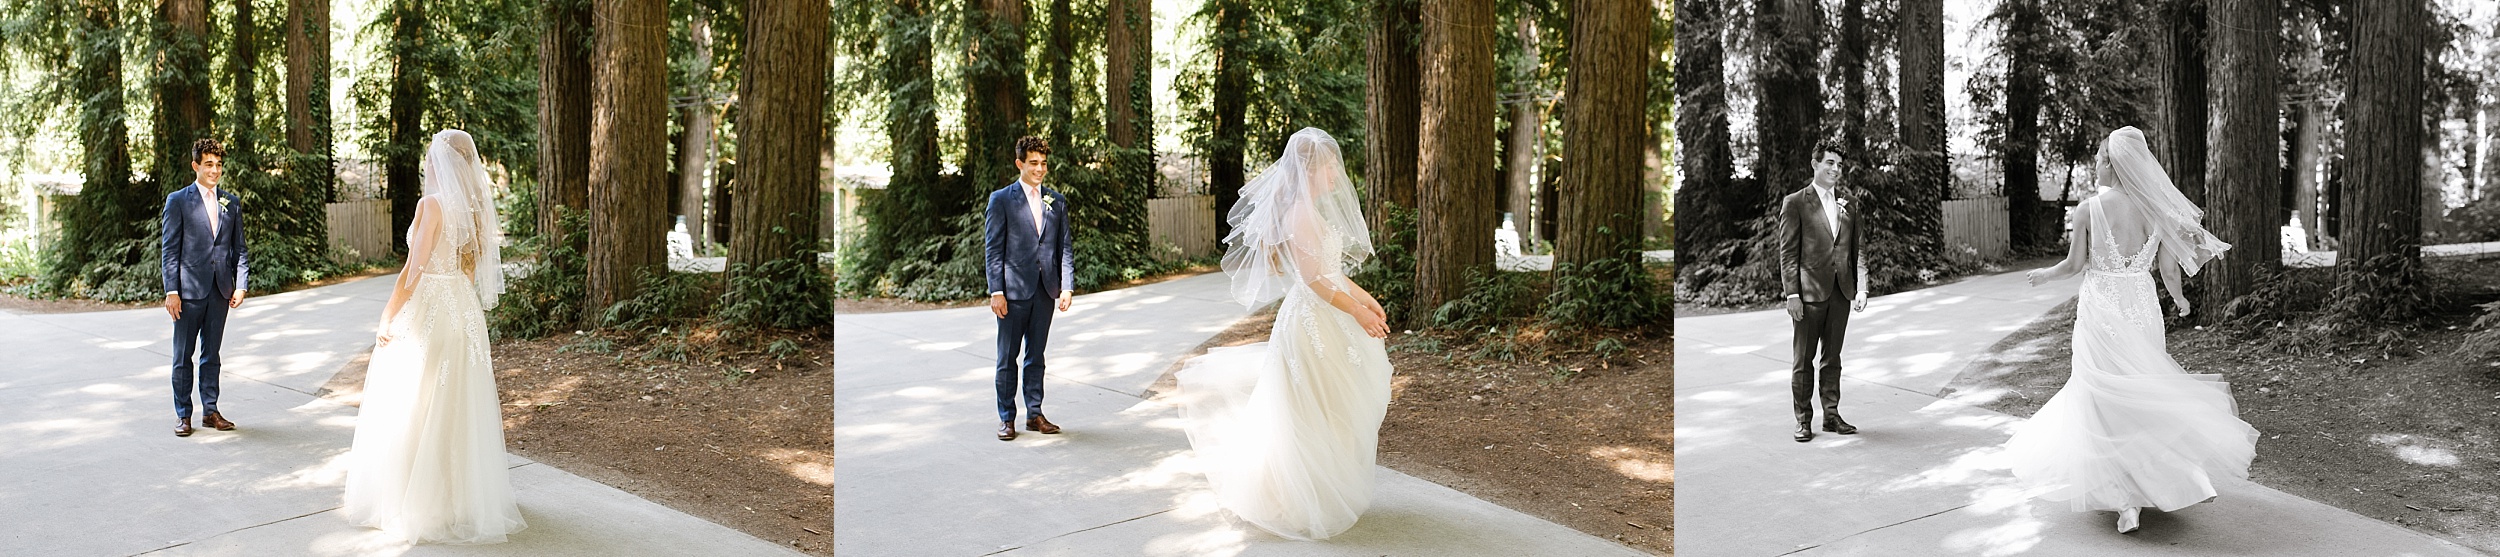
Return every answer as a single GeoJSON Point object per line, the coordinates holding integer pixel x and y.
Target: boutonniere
{"type": "Point", "coordinates": [1842, 202]}
{"type": "Point", "coordinates": [1046, 200]}
{"type": "Point", "coordinates": [224, 203]}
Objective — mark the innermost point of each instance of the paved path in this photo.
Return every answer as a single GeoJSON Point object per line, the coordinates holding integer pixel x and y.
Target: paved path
{"type": "Point", "coordinates": [91, 467]}
{"type": "Point", "coordinates": [920, 473]}
{"type": "Point", "coordinates": [1921, 477]}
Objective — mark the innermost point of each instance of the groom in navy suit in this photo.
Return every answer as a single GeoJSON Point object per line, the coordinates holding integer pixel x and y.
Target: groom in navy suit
{"type": "Point", "coordinates": [1030, 264]}
{"type": "Point", "coordinates": [205, 266]}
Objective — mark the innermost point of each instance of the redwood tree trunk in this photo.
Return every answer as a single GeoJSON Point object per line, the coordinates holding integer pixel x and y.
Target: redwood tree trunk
{"type": "Point", "coordinates": [995, 102]}
{"type": "Point", "coordinates": [911, 128]}
{"type": "Point", "coordinates": [1454, 178]}
{"type": "Point", "coordinates": [408, 137]}
{"type": "Point", "coordinates": [2305, 171]}
{"type": "Point", "coordinates": [1921, 40]}
{"type": "Point", "coordinates": [563, 115]}
{"type": "Point", "coordinates": [1849, 64]}
{"type": "Point", "coordinates": [628, 143]}
{"type": "Point", "coordinates": [1392, 110]}
{"type": "Point", "coordinates": [1527, 127]}
{"type": "Point", "coordinates": [2024, 84]}
{"type": "Point", "coordinates": [1790, 113]}
{"type": "Point", "coordinates": [695, 157]}
{"type": "Point", "coordinates": [2243, 178]}
{"type": "Point", "coordinates": [1232, 83]}
{"type": "Point", "coordinates": [1603, 129]}
{"type": "Point", "coordinates": [2177, 133]}
{"type": "Point", "coordinates": [182, 98]}
{"type": "Point", "coordinates": [1128, 54]}
{"type": "Point", "coordinates": [1707, 204]}
{"type": "Point", "coordinates": [308, 84]}
{"type": "Point", "coordinates": [781, 129]}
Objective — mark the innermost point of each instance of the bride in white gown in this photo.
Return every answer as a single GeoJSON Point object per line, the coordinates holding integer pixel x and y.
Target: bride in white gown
{"type": "Point", "coordinates": [2131, 429]}
{"type": "Point", "coordinates": [1285, 430]}
{"type": "Point", "coordinates": [428, 461]}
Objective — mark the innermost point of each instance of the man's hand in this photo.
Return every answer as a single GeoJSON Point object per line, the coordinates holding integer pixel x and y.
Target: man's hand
{"type": "Point", "coordinates": [236, 301]}
{"type": "Point", "coordinates": [998, 305]}
{"type": "Point", "coordinates": [1796, 308]}
{"type": "Point", "coordinates": [173, 306]}
{"type": "Point", "coordinates": [2035, 276]}
{"type": "Point", "coordinates": [1065, 297]}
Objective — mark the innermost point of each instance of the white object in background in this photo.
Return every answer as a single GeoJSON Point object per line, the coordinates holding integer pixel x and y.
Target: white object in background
{"type": "Point", "coordinates": [2295, 238]}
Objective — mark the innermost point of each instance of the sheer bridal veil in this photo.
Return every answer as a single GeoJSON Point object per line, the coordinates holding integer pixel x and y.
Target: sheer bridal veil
{"type": "Point", "coordinates": [1298, 222]}
{"type": "Point", "coordinates": [2169, 215]}
{"type": "Point", "coordinates": [456, 178]}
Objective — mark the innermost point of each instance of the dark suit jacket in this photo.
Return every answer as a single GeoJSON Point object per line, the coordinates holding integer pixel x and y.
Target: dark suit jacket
{"type": "Point", "coordinates": [1018, 261]}
{"type": "Point", "coordinates": [1814, 264]}
{"type": "Point", "coordinates": [197, 264]}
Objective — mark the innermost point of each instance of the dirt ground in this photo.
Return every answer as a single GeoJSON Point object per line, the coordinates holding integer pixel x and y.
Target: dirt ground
{"type": "Point", "coordinates": [1591, 449]}
{"type": "Point", "coordinates": [2405, 438]}
{"type": "Point", "coordinates": [732, 436]}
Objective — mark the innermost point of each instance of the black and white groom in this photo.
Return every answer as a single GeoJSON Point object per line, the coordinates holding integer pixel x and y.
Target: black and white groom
{"type": "Point", "coordinates": [1029, 262]}
{"type": "Point", "coordinates": [1819, 271]}
{"type": "Point", "coordinates": [205, 266]}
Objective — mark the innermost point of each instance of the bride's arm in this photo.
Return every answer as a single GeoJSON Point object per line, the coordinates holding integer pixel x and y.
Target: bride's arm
{"type": "Point", "coordinates": [2170, 278]}
{"type": "Point", "coordinates": [2078, 248]}
{"type": "Point", "coordinates": [1329, 283]}
{"type": "Point", "coordinates": [421, 233]}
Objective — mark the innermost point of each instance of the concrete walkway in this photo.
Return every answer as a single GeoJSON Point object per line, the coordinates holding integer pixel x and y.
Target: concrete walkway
{"type": "Point", "coordinates": [91, 466]}
{"type": "Point", "coordinates": [1921, 478]}
{"type": "Point", "coordinates": [919, 471]}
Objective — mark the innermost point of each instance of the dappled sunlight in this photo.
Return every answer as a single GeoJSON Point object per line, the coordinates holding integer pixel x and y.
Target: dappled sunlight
{"type": "Point", "coordinates": [331, 472]}
{"type": "Point", "coordinates": [1173, 471]}
{"type": "Point", "coordinates": [2416, 449]}
{"type": "Point", "coordinates": [807, 466]}
{"type": "Point", "coordinates": [1969, 467]}
{"type": "Point", "coordinates": [135, 344]}
{"type": "Point", "coordinates": [363, 542]}
{"type": "Point", "coordinates": [1637, 463]}
{"type": "Point", "coordinates": [1211, 542]}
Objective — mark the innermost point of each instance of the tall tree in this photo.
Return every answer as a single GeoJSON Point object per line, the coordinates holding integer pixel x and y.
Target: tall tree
{"type": "Point", "coordinates": [780, 129]}
{"type": "Point", "coordinates": [1059, 60]}
{"type": "Point", "coordinates": [563, 115]}
{"type": "Point", "coordinates": [1600, 213]}
{"type": "Point", "coordinates": [1392, 108]}
{"type": "Point", "coordinates": [628, 139]}
{"type": "Point", "coordinates": [182, 111]}
{"type": "Point", "coordinates": [2025, 83]}
{"type": "Point", "coordinates": [2383, 142]}
{"type": "Point", "coordinates": [1789, 114]}
{"type": "Point", "coordinates": [695, 158]}
{"type": "Point", "coordinates": [996, 106]}
{"type": "Point", "coordinates": [911, 127]}
{"type": "Point", "coordinates": [1920, 33]}
{"type": "Point", "coordinates": [242, 63]}
{"type": "Point", "coordinates": [1708, 206]}
{"type": "Point", "coordinates": [1128, 108]}
{"type": "Point", "coordinates": [1527, 126]}
{"type": "Point", "coordinates": [108, 208]}
{"type": "Point", "coordinates": [2244, 180]}
{"type": "Point", "coordinates": [408, 105]}
{"type": "Point", "coordinates": [1454, 178]}
{"type": "Point", "coordinates": [2176, 38]}
{"type": "Point", "coordinates": [1849, 66]}
{"type": "Point", "coordinates": [1230, 40]}
{"type": "Point", "coordinates": [308, 82]}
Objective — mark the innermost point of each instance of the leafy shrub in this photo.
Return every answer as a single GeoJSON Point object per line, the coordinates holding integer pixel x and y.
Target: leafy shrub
{"type": "Point", "coordinates": [550, 298]}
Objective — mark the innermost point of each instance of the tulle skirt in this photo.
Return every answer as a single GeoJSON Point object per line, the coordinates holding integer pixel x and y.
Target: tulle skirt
{"type": "Point", "coordinates": [428, 461]}
{"type": "Point", "coordinates": [1286, 430]}
{"type": "Point", "coordinates": [2130, 428]}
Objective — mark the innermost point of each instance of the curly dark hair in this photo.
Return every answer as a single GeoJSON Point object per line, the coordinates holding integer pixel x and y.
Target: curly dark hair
{"type": "Point", "coordinates": [206, 146]}
{"type": "Point", "coordinates": [1030, 144]}
{"type": "Point", "coordinates": [1831, 146]}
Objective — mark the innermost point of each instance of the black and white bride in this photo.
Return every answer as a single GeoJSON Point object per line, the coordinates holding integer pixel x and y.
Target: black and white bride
{"type": "Point", "coordinates": [428, 461]}
{"type": "Point", "coordinates": [1285, 430]}
{"type": "Point", "coordinates": [2131, 429]}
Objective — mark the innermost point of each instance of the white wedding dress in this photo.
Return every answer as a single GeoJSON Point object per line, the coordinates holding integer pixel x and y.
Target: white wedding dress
{"type": "Point", "coordinates": [2130, 428]}
{"type": "Point", "coordinates": [1286, 430]}
{"type": "Point", "coordinates": [428, 461]}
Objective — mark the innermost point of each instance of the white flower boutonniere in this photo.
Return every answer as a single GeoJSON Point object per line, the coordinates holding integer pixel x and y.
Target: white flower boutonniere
{"type": "Point", "coordinates": [1842, 202]}
{"type": "Point", "coordinates": [224, 203]}
{"type": "Point", "coordinates": [1046, 200]}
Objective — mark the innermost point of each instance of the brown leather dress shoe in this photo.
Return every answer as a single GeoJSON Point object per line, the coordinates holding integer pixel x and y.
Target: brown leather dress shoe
{"type": "Point", "coordinates": [216, 421]}
{"type": "Point", "coordinates": [183, 429]}
{"type": "Point", "coordinates": [1041, 424]}
{"type": "Point", "coordinates": [1007, 431]}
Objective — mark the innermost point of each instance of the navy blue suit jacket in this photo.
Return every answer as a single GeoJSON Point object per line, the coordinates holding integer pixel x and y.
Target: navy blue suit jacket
{"type": "Point", "coordinates": [1020, 262]}
{"type": "Point", "coordinates": [198, 264]}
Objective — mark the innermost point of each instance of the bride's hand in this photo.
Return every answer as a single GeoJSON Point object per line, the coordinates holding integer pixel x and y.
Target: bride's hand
{"type": "Point", "coordinates": [2184, 310]}
{"type": "Point", "coordinates": [2033, 276]}
{"type": "Point", "coordinates": [1372, 324]}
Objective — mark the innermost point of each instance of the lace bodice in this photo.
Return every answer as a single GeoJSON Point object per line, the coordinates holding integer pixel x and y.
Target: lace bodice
{"type": "Point", "coordinates": [2106, 257]}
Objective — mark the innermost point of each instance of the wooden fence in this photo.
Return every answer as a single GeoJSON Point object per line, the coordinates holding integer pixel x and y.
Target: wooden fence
{"type": "Point", "coordinates": [1182, 227]}
{"type": "Point", "coordinates": [1978, 223]}
{"type": "Point", "coordinates": [362, 227]}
